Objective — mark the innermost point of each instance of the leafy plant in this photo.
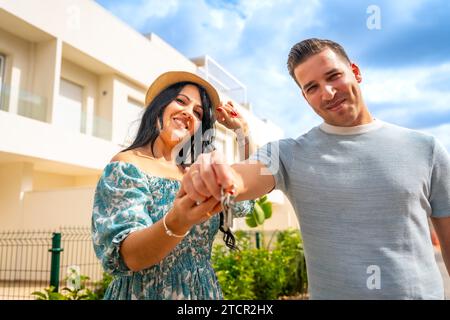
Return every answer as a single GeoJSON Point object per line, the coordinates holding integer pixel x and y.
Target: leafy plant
{"type": "Point", "coordinates": [76, 293]}
{"type": "Point", "coordinates": [289, 251]}
{"type": "Point", "coordinates": [260, 273]}
{"type": "Point", "coordinates": [48, 294]}
{"type": "Point", "coordinates": [101, 285]}
{"type": "Point", "coordinates": [80, 293]}
{"type": "Point", "coordinates": [262, 211]}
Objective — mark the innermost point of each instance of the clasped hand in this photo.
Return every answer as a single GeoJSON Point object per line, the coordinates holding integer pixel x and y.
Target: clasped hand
{"type": "Point", "coordinates": [200, 192]}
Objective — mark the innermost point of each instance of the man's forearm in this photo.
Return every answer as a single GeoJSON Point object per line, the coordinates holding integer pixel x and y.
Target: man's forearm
{"type": "Point", "coordinates": [253, 180]}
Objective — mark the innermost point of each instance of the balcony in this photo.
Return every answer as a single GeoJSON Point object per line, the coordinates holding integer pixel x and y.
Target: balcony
{"type": "Point", "coordinates": [33, 106]}
{"type": "Point", "coordinates": [221, 79]}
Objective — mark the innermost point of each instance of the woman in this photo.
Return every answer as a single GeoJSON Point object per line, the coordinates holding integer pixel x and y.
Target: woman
{"type": "Point", "coordinates": [154, 239]}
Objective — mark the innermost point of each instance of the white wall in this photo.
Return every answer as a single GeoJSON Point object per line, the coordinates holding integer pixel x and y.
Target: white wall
{"type": "Point", "coordinates": [53, 209]}
{"type": "Point", "coordinates": [110, 41]}
{"type": "Point", "coordinates": [38, 139]}
{"type": "Point", "coordinates": [43, 181]}
{"type": "Point", "coordinates": [46, 62]}
{"type": "Point", "coordinates": [15, 179]}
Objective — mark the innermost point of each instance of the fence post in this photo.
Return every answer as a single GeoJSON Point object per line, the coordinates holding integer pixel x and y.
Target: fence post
{"type": "Point", "coordinates": [258, 240]}
{"type": "Point", "coordinates": [56, 251]}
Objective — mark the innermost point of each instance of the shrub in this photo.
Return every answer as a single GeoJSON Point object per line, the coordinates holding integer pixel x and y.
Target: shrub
{"type": "Point", "coordinates": [252, 273]}
{"type": "Point", "coordinates": [81, 293]}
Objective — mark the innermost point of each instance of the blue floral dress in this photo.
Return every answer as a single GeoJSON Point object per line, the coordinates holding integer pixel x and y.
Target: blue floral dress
{"type": "Point", "coordinates": [128, 199]}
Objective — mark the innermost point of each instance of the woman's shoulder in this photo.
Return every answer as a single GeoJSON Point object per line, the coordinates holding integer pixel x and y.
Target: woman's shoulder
{"type": "Point", "coordinates": [124, 164]}
{"type": "Point", "coordinates": [124, 156]}
{"type": "Point", "coordinates": [130, 160]}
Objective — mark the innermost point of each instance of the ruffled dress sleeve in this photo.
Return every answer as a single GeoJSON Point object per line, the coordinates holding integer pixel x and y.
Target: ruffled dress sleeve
{"type": "Point", "coordinates": [121, 205]}
{"type": "Point", "coordinates": [242, 208]}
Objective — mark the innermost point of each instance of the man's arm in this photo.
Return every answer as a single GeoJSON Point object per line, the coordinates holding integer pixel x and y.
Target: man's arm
{"type": "Point", "coordinates": [253, 179]}
{"type": "Point", "coordinates": [210, 172]}
{"type": "Point", "coordinates": [442, 228]}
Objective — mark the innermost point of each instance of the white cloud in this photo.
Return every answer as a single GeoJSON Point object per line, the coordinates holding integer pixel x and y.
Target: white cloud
{"type": "Point", "coordinates": [251, 39]}
{"type": "Point", "coordinates": [404, 11]}
{"type": "Point", "coordinates": [413, 90]}
{"type": "Point", "coordinates": [442, 133]}
{"type": "Point", "coordinates": [269, 33]}
{"type": "Point", "coordinates": [404, 84]}
{"type": "Point", "coordinates": [136, 14]}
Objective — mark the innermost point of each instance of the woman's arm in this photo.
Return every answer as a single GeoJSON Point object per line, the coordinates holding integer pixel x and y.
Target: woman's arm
{"type": "Point", "coordinates": [146, 247]}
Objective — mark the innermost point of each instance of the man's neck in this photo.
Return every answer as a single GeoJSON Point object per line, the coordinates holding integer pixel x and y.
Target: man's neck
{"type": "Point", "coordinates": [359, 129]}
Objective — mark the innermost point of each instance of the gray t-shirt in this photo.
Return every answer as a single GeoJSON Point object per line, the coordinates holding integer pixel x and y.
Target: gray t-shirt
{"type": "Point", "coordinates": [362, 199]}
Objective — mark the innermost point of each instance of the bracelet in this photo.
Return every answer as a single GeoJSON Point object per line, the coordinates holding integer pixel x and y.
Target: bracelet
{"type": "Point", "coordinates": [169, 232]}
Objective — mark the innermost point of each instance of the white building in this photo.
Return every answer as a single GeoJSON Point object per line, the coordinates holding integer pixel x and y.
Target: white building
{"type": "Point", "coordinates": [73, 79]}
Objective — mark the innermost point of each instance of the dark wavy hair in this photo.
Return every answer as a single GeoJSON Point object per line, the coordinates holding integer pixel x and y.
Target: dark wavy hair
{"type": "Point", "coordinates": [149, 131]}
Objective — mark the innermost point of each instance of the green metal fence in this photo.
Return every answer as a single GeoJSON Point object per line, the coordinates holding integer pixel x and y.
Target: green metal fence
{"type": "Point", "coordinates": [32, 260]}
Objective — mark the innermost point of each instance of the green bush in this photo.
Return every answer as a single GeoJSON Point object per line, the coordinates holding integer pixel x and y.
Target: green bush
{"type": "Point", "coordinates": [101, 286]}
{"type": "Point", "coordinates": [252, 273]}
{"type": "Point", "coordinates": [247, 274]}
{"type": "Point", "coordinates": [48, 294]}
{"type": "Point", "coordinates": [81, 293]}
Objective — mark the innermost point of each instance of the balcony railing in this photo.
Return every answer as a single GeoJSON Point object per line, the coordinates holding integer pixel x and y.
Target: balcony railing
{"type": "Point", "coordinates": [28, 104]}
{"type": "Point", "coordinates": [36, 107]}
{"type": "Point", "coordinates": [221, 79]}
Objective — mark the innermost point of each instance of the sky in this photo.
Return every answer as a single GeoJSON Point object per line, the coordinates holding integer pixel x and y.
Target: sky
{"type": "Point", "coordinates": [402, 48]}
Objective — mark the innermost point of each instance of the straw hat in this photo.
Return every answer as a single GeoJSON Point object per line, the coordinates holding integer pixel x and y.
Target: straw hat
{"type": "Point", "coordinates": [167, 79]}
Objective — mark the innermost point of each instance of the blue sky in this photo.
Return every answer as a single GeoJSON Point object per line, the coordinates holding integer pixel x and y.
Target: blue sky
{"type": "Point", "coordinates": [405, 63]}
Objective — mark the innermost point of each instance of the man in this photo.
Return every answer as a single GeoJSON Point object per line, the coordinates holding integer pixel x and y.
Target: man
{"type": "Point", "coordinates": [362, 188]}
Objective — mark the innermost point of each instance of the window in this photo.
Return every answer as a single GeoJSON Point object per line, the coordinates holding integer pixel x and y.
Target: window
{"type": "Point", "coordinates": [131, 118]}
{"type": "Point", "coordinates": [67, 113]}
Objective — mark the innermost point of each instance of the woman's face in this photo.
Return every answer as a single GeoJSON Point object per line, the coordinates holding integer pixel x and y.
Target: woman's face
{"type": "Point", "coordinates": [183, 116]}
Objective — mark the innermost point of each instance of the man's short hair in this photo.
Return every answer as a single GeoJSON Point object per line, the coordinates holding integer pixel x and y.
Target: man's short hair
{"type": "Point", "coordinates": [309, 47]}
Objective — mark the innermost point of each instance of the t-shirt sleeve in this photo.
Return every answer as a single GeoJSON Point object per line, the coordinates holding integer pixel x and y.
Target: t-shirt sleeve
{"type": "Point", "coordinates": [440, 182]}
{"type": "Point", "coordinates": [121, 206]}
{"type": "Point", "coordinates": [277, 157]}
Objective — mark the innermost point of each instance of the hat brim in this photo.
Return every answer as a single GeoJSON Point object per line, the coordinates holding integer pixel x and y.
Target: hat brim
{"type": "Point", "coordinates": [167, 79]}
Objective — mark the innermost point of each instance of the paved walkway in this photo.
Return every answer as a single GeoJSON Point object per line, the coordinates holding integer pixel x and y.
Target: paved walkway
{"type": "Point", "coordinates": [444, 273]}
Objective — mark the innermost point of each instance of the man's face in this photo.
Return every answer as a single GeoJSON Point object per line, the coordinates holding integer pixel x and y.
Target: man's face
{"type": "Point", "coordinates": [330, 84]}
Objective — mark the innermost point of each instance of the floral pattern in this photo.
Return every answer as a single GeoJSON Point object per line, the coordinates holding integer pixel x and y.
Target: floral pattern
{"type": "Point", "coordinates": [128, 199]}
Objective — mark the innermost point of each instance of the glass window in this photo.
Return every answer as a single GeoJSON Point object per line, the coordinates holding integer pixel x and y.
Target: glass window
{"type": "Point", "coordinates": [131, 119]}
{"type": "Point", "coordinates": [67, 113]}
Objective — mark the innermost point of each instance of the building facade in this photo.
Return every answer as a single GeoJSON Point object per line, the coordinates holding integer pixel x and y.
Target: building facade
{"type": "Point", "coordinates": [73, 79]}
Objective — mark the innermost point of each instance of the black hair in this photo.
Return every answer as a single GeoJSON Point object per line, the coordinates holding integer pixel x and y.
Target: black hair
{"type": "Point", "coordinates": [149, 130]}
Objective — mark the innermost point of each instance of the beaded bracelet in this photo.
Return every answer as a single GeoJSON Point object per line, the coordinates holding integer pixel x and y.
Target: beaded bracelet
{"type": "Point", "coordinates": [170, 233]}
